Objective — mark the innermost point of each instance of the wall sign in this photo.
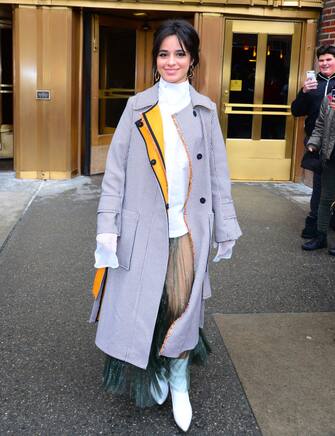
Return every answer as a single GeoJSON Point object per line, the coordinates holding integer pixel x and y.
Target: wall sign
{"type": "Point", "coordinates": [236, 85]}
{"type": "Point", "coordinates": [42, 94]}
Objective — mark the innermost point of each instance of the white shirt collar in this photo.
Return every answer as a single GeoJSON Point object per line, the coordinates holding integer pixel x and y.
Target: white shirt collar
{"type": "Point", "coordinates": [175, 95]}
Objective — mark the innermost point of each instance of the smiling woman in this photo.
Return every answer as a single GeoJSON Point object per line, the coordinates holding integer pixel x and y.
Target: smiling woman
{"type": "Point", "coordinates": [175, 55]}
{"type": "Point", "coordinates": [173, 61]}
{"type": "Point", "coordinates": [165, 188]}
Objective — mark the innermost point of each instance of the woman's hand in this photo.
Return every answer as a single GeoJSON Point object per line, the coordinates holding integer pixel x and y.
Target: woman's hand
{"type": "Point", "coordinates": [225, 250]}
{"type": "Point", "coordinates": [312, 148]}
{"type": "Point", "coordinates": [105, 253]}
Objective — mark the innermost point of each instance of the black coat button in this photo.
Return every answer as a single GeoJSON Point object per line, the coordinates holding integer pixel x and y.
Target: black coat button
{"type": "Point", "coordinates": [199, 156]}
{"type": "Point", "coordinates": [139, 123]}
{"type": "Point", "coordinates": [167, 206]}
{"type": "Point", "coordinates": [195, 113]}
{"type": "Point", "coordinates": [202, 200]}
{"type": "Point", "coordinates": [153, 161]}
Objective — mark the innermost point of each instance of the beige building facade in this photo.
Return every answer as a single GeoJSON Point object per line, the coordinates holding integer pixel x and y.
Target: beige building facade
{"type": "Point", "coordinates": [68, 67]}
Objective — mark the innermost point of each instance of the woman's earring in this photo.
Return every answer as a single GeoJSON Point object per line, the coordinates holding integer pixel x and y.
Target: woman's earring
{"type": "Point", "coordinates": [190, 73]}
{"type": "Point", "coordinates": [157, 76]}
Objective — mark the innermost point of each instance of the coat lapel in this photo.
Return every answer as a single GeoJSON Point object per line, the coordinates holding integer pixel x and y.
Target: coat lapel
{"type": "Point", "coordinates": [151, 128]}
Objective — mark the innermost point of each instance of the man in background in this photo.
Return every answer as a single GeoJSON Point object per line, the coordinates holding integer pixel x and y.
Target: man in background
{"type": "Point", "coordinates": [307, 103]}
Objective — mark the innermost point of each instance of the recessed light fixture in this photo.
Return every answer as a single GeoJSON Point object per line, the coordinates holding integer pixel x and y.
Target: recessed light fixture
{"type": "Point", "coordinates": [139, 14]}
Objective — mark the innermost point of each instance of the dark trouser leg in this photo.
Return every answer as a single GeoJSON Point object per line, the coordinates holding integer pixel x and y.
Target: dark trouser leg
{"type": "Point", "coordinates": [316, 195]}
{"type": "Point", "coordinates": [310, 229]}
{"type": "Point", "coordinates": [327, 195]}
{"type": "Point", "coordinates": [332, 221]}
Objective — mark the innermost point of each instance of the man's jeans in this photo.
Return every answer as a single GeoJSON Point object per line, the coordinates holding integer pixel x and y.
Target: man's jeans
{"type": "Point", "coordinates": [327, 195]}
{"type": "Point", "coordinates": [316, 195]}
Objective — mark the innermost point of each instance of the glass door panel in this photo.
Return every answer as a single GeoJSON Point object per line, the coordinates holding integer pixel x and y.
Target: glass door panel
{"type": "Point", "coordinates": [277, 68]}
{"type": "Point", "coordinates": [117, 50]}
{"type": "Point", "coordinates": [242, 82]}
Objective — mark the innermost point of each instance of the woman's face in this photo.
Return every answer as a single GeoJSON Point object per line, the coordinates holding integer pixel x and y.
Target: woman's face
{"type": "Point", "coordinates": [173, 61]}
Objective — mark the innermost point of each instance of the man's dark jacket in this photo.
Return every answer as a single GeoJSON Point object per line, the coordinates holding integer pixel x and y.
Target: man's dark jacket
{"type": "Point", "coordinates": [308, 104]}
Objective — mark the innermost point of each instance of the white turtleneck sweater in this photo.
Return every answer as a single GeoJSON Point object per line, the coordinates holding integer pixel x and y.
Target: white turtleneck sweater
{"type": "Point", "coordinates": [172, 98]}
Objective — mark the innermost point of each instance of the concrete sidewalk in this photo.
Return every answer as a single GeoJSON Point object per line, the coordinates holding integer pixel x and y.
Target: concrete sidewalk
{"type": "Point", "coordinates": [15, 197]}
{"type": "Point", "coordinates": [268, 299]}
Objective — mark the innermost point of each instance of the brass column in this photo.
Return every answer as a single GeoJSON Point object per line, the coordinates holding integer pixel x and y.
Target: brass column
{"type": "Point", "coordinates": [46, 57]}
{"type": "Point", "coordinates": [211, 32]}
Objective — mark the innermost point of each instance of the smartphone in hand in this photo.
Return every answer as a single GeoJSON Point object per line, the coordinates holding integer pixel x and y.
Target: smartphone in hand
{"type": "Point", "coordinates": [311, 75]}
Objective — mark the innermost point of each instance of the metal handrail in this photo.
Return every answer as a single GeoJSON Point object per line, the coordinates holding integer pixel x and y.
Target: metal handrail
{"type": "Point", "coordinates": [228, 109]}
{"type": "Point", "coordinates": [281, 106]}
{"type": "Point", "coordinates": [112, 93]}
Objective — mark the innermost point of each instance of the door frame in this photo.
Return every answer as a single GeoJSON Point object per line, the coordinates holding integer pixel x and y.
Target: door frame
{"type": "Point", "coordinates": [281, 147]}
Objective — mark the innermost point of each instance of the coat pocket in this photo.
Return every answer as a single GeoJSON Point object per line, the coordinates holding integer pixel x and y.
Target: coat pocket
{"type": "Point", "coordinates": [206, 286]}
{"type": "Point", "coordinates": [211, 223]}
{"type": "Point", "coordinates": [125, 244]}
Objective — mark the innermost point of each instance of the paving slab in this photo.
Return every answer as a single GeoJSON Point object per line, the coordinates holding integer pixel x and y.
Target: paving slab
{"type": "Point", "coordinates": [286, 363]}
{"type": "Point", "coordinates": [269, 272]}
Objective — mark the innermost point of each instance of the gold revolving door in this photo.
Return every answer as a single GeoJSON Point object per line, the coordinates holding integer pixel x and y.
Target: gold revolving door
{"type": "Point", "coordinates": [259, 82]}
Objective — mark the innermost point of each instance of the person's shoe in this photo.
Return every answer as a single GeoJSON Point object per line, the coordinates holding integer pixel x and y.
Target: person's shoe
{"type": "Point", "coordinates": [182, 409]}
{"type": "Point", "coordinates": [160, 388]}
{"type": "Point", "coordinates": [179, 382]}
{"type": "Point", "coordinates": [315, 244]}
{"type": "Point", "coordinates": [310, 230]}
{"type": "Point", "coordinates": [331, 251]}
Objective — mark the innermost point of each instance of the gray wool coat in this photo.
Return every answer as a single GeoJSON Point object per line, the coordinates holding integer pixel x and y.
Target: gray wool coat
{"type": "Point", "coordinates": [323, 135]}
{"type": "Point", "coordinates": [133, 205]}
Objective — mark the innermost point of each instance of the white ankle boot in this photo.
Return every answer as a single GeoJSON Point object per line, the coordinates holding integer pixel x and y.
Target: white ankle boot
{"type": "Point", "coordinates": [178, 380]}
{"type": "Point", "coordinates": [161, 392]}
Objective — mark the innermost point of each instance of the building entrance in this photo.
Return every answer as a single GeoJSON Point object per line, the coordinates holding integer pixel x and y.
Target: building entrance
{"type": "Point", "coordinates": [259, 81]}
{"type": "Point", "coordinates": [260, 75]}
{"type": "Point", "coordinates": [6, 98]}
{"type": "Point", "coordinates": [121, 67]}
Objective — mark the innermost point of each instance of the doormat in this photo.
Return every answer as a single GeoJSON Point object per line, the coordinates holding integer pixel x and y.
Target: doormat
{"type": "Point", "coordinates": [286, 364]}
